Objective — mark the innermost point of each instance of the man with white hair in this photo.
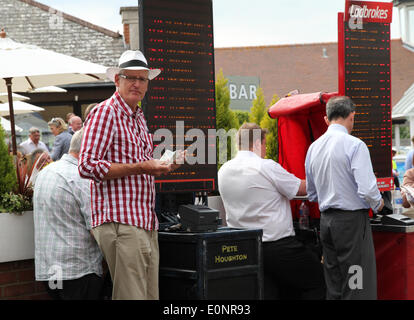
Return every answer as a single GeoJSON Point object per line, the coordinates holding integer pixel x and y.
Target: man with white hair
{"type": "Point", "coordinates": [75, 124]}
{"type": "Point", "coordinates": [33, 142]}
{"type": "Point", "coordinates": [117, 154]}
{"type": "Point", "coordinates": [67, 256]}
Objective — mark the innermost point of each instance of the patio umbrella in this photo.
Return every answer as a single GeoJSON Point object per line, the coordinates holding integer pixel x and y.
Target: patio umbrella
{"type": "Point", "coordinates": [26, 67]}
{"type": "Point", "coordinates": [19, 107]}
{"type": "Point", "coordinates": [7, 126]}
{"type": "Point", "coordinates": [4, 97]}
{"type": "Point", "coordinates": [48, 89]}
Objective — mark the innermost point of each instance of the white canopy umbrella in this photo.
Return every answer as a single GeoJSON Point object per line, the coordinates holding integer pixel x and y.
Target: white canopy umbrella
{"type": "Point", "coordinates": [4, 97]}
{"type": "Point", "coordinates": [19, 107]}
{"type": "Point", "coordinates": [48, 89]}
{"type": "Point", "coordinates": [26, 67]}
{"type": "Point", "coordinates": [7, 125]}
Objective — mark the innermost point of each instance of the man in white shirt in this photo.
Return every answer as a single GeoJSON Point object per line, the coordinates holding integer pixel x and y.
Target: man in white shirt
{"type": "Point", "coordinates": [33, 142]}
{"type": "Point", "coordinates": [256, 193]}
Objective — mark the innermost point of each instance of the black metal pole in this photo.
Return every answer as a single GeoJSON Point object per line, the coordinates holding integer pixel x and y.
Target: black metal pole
{"type": "Point", "coordinates": [13, 131]}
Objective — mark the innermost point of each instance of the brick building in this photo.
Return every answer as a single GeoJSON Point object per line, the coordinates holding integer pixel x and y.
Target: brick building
{"type": "Point", "coordinates": [306, 67]}
{"type": "Point", "coordinates": [32, 22]}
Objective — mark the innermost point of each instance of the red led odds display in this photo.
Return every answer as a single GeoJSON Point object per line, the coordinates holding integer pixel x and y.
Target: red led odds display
{"type": "Point", "coordinates": [177, 37]}
{"type": "Point", "coordinates": [365, 60]}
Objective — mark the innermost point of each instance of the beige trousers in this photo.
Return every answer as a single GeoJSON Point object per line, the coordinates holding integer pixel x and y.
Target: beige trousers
{"type": "Point", "coordinates": [132, 256]}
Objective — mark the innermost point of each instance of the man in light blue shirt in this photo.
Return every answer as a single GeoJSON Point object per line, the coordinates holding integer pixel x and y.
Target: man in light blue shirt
{"type": "Point", "coordinates": [339, 176]}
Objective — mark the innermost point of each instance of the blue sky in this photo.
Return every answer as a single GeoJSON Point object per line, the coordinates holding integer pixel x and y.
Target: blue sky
{"type": "Point", "coordinates": [239, 22]}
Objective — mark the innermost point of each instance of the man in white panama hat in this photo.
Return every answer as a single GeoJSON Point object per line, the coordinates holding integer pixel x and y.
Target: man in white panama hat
{"type": "Point", "coordinates": [117, 155]}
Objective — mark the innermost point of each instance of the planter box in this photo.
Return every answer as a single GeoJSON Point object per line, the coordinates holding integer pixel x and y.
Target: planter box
{"type": "Point", "coordinates": [16, 237]}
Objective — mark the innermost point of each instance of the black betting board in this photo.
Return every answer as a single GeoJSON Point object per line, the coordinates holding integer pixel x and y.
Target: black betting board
{"type": "Point", "coordinates": [367, 75]}
{"type": "Point", "coordinates": [177, 37]}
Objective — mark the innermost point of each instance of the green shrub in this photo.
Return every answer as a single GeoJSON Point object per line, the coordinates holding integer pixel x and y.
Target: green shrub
{"type": "Point", "coordinates": [243, 116]}
{"type": "Point", "coordinates": [8, 178]}
{"type": "Point", "coordinates": [15, 203]}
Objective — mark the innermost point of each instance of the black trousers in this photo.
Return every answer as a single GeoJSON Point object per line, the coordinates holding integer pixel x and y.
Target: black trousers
{"type": "Point", "coordinates": [348, 246]}
{"type": "Point", "coordinates": [88, 287]}
{"type": "Point", "coordinates": [292, 271]}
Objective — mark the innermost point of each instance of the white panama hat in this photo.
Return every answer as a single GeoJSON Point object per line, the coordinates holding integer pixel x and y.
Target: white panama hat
{"type": "Point", "coordinates": [132, 60]}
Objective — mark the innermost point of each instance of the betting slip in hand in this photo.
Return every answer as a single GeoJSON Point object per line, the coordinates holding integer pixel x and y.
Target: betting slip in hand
{"type": "Point", "coordinates": [169, 156]}
{"type": "Point", "coordinates": [409, 193]}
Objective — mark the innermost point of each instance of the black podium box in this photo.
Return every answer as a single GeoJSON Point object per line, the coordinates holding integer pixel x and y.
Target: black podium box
{"type": "Point", "coordinates": [224, 264]}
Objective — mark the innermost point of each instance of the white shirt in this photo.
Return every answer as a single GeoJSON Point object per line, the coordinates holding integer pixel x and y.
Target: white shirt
{"type": "Point", "coordinates": [339, 172]}
{"type": "Point", "coordinates": [256, 194]}
{"type": "Point", "coordinates": [28, 146]}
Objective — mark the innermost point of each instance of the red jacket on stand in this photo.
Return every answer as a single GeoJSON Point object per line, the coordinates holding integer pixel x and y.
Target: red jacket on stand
{"type": "Point", "coordinates": [300, 122]}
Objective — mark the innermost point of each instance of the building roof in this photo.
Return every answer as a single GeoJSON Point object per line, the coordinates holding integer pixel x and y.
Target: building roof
{"type": "Point", "coordinates": [284, 68]}
{"type": "Point", "coordinates": [405, 107]}
{"type": "Point", "coordinates": [29, 21]}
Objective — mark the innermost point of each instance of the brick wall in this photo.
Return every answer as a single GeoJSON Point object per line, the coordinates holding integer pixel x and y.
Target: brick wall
{"type": "Point", "coordinates": [17, 282]}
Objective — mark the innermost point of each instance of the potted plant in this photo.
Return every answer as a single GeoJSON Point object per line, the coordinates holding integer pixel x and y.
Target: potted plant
{"type": "Point", "coordinates": [8, 181]}
{"type": "Point", "coordinates": [16, 228]}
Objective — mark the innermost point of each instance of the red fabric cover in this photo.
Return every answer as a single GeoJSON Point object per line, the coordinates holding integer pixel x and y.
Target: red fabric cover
{"type": "Point", "coordinates": [300, 122]}
{"type": "Point", "coordinates": [294, 104]}
{"type": "Point", "coordinates": [294, 140]}
{"type": "Point", "coordinates": [395, 265]}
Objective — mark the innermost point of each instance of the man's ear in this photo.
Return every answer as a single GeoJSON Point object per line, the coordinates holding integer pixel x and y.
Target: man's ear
{"type": "Point", "coordinates": [116, 80]}
{"type": "Point", "coordinates": [326, 120]}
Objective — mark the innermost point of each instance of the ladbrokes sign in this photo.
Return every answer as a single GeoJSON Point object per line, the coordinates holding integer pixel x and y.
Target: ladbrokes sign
{"type": "Point", "coordinates": [368, 11]}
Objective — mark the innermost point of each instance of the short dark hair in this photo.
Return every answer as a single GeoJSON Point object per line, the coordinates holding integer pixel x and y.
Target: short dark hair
{"type": "Point", "coordinates": [339, 107]}
{"type": "Point", "coordinates": [248, 134]}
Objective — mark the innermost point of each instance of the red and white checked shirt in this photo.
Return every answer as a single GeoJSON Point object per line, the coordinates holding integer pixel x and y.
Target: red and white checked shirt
{"type": "Point", "coordinates": [114, 134]}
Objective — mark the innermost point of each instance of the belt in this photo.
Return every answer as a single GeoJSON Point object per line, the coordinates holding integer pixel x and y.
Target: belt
{"type": "Point", "coordinates": [331, 210]}
{"type": "Point", "coordinates": [281, 240]}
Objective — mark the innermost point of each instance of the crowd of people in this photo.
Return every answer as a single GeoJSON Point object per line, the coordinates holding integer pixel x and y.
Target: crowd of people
{"type": "Point", "coordinates": [96, 202]}
{"type": "Point", "coordinates": [63, 132]}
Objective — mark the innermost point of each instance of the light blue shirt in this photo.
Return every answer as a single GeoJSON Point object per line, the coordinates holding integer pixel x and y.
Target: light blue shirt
{"type": "Point", "coordinates": [339, 172]}
{"type": "Point", "coordinates": [409, 160]}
